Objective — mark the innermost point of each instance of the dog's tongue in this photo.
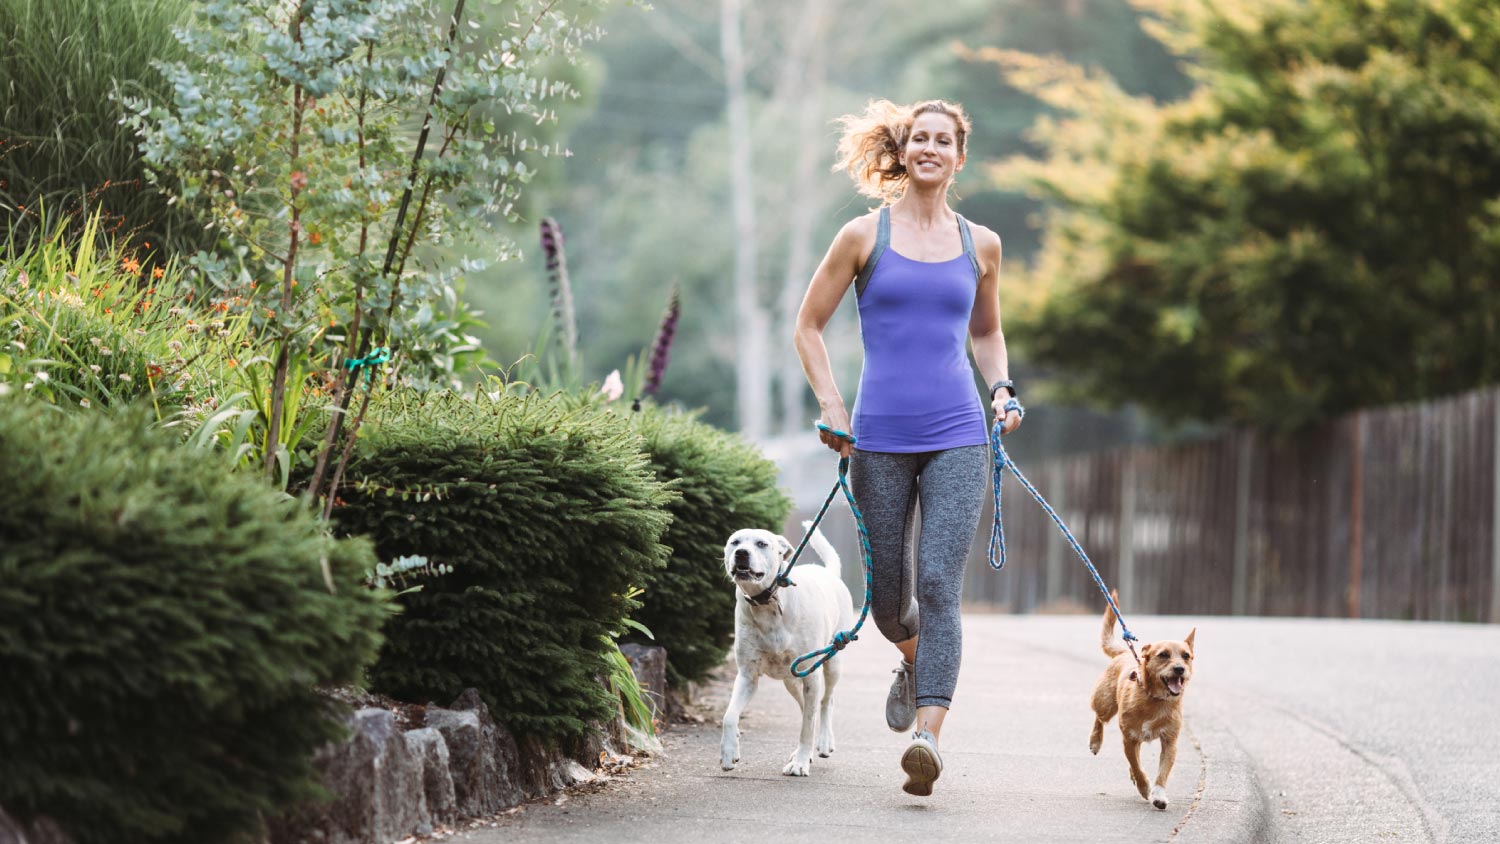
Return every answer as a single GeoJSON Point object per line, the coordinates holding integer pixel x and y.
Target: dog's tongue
{"type": "Point", "coordinates": [1174, 685]}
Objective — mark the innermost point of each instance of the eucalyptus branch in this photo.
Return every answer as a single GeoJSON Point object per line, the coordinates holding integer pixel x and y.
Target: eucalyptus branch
{"type": "Point", "coordinates": [341, 393]}
{"type": "Point", "coordinates": [536, 21]}
{"type": "Point", "coordinates": [416, 159]}
{"type": "Point", "coordinates": [284, 351]}
{"type": "Point", "coordinates": [416, 226]}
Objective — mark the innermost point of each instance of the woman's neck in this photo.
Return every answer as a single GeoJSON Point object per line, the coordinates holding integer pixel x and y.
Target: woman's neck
{"type": "Point", "coordinates": [927, 208]}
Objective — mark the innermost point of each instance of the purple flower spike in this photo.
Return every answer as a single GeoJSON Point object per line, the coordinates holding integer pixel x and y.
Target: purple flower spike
{"type": "Point", "coordinates": [661, 350]}
{"type": "Point", "coordinates": [561, 289]}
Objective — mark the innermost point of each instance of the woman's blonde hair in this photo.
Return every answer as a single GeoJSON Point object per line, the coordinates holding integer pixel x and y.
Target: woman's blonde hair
{"type": "Point", "coordinates": [870, 145]}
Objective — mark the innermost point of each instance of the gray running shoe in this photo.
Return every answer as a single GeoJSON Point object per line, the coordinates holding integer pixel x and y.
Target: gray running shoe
{"type": "Point", "coordinates": [922, 764]}
{"type": "Point", "coordinates": [901, 703]}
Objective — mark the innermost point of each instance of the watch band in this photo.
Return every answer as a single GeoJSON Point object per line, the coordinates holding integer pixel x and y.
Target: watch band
{"type": "Point", "coordinates": [1007, 384]}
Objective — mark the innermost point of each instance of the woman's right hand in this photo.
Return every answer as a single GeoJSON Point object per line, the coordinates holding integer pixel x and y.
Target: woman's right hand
{"type": "Point", "coordinates": [838, 420]}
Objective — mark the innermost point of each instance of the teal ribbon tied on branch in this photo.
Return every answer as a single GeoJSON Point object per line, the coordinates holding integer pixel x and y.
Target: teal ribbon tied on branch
{"type": "Point", "coordinates": [376, 357]}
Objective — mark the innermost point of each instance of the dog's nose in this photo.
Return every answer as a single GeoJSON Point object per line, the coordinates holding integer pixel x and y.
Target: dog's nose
{"type": "Point", "coordinates": [741, 558]}
{"type": "Point", "coordinates": [1179, 670]}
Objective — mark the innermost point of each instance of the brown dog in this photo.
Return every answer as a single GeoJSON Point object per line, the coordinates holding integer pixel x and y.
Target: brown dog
{"type": "Point", "coordinates": [1148, 699]}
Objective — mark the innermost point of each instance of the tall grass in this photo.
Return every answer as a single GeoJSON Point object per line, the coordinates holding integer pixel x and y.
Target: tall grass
{"type": "Point", "coordinates": [64, 154]}
{"type": "Point", "coordinates": [83, 323]}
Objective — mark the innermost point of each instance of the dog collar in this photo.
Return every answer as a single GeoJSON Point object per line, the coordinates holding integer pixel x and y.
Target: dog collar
{"type": "Point", "coordinates": [769, 595]}
{"type": "Point", "coordinates": [765, 597]}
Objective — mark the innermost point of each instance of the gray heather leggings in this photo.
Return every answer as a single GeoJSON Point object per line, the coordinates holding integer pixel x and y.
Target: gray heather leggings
{"type": "Point", "coordinates": [950, 485]}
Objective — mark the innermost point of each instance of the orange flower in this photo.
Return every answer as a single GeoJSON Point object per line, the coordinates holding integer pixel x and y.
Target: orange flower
{"type": "Point", "coordinates": [315, 238]}
{"type": "Point", "coordinates": [158, 272]}
{"type": "Point", "coordinates": [233, 363]}
{"type": "Point", "coordinates": [131, 265]}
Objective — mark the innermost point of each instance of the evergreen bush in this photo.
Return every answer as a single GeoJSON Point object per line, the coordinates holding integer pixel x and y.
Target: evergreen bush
{"type": "Point", "coordinates": [725, 485]}
{"type": "Point", "coordinates": [163, 623]}
{"type": "Point", "coordinates": [547, 513]}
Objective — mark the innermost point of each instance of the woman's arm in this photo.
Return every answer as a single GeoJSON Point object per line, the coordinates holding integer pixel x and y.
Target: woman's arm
{"type": "Point", "coordinates": [824, 292]}
{"type": "Point", "coordinates": [984, 325]}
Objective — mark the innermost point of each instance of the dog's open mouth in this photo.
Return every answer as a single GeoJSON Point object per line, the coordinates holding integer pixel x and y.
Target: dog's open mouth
{"type": "Point", "coordinates": [746, 574]}
{"type": "Point", "coordinates": [1174, 685]}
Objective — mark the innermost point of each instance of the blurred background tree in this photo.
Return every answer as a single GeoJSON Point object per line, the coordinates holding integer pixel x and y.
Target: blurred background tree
{"type": "Point", "coordinates": [1314, 230]}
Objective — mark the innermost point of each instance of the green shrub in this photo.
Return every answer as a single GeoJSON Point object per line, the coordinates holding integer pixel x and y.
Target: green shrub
{"type": "Point", "coordinates": [64, 150]}
{"type": "Point", "coordinates": [547, 513]}
{"type": "Point", "coordinates": [725, 485]}
{"type": "Point", "coordinates": [163, 622]}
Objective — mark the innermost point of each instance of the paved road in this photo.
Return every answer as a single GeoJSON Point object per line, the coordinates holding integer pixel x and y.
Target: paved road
{"type": "Point", "coordinates": [1300, 731]}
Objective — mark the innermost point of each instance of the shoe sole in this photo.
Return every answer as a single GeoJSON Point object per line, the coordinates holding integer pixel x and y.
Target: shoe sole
{"type": "Point", "coordinates": [922, 770]}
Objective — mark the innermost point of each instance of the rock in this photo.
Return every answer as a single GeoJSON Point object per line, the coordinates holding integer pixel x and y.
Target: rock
{"type": "Point", "coordinates": [430, 748]}
{"type": "Point", "coordinates": [649, 662]}
{"type": "Point", "coordinates": [483, 756]}
{"type": "Point", "coordinates": [41, 830]}
{"type": "Point", "coordinates": [546, 769]}
{"type": "Point", "coordinates": [377, 787]}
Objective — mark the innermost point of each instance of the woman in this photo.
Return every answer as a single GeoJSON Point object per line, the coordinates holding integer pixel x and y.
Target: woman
{"type": "Point", "coordinates": [922, 275]}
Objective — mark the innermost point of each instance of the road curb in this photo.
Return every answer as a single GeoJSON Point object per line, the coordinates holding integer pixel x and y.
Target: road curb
{"type": "Point", "coordinates": [1232, 807]}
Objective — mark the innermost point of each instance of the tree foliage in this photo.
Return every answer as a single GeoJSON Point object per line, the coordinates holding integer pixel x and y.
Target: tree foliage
{"type": "Point", "coordinates": [328, 139]}
{"type": "Point", "coordinates": [1316, 228]}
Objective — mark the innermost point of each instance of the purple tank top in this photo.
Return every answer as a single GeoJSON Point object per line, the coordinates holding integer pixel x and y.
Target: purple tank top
{"type": "Point", "coordinates": [917, 390]}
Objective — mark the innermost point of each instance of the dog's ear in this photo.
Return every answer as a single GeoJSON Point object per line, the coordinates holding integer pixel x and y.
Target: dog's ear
{"type": "Point", "coordinates": [786, 548]}
{"type": "Point", "coordinates": [1189, 638]}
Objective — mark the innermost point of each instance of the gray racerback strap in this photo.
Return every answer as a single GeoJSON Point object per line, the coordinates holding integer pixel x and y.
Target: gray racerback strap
{"type": "Point", "coordinates": [968, 239]}
{"type": "Point", "coordinates": [882, 240]}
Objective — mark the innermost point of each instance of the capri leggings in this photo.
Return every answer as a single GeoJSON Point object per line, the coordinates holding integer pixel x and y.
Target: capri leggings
{"type": "Point", "coordinates": [950, 486]}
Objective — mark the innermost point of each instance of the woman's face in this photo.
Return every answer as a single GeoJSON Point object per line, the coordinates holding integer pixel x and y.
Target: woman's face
{"type": "Point", "coordinates": [931, 154]}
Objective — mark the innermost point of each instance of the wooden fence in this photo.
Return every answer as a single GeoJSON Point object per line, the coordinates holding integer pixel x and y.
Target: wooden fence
{"type": "Point", "coordinates": [1387, 513]}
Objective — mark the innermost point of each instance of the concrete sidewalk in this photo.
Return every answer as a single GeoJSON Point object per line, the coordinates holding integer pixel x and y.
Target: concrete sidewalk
{"type": "Point", "coordinates": [1015, 751]}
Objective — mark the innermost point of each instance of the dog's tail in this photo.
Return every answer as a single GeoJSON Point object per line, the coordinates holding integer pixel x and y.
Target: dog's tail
{"type": "Point", "coordinates": [1112, 647]}
{"type": "Point", "coordinates": [820, 543]}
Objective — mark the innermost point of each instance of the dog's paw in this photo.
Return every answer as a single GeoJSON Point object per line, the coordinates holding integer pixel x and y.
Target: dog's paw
{"type": "Point", "coordinates": [1142, 785]}
{"type": "Point", "coordinates": [799, 766]}
{"type": "Point", "coordinates": [1094, 745]}
{"type": "Point", "coordinates": [825, 747]}
{"type": "Point", "coordinates": [1158, 797]}
{"type": "Point", "coordinates": [729, 755]}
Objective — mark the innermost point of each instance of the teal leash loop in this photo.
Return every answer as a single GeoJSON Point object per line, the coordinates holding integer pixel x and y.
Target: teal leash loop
{"type": "Point", "coordinates": [997, 533]}
{"type": "Point", "coordinates": [376, 357]}
{"type": "Point", "coordinates": [843, 638]}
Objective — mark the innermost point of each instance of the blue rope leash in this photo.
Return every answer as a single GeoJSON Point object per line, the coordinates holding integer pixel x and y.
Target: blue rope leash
{"type": "Point", "coordinates": [841, 639]}
{"type": "Point", "coordinates": [997, 533]}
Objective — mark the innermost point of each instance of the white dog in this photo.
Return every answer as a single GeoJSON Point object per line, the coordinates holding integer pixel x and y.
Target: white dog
{"type": "Point", "coordinates": [775, 625]}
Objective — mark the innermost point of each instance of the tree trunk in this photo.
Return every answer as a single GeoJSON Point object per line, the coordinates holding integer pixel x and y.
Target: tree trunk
{"type": "Point", "coordinates": [808, 75]}
{"type": "Point", "coordinates": [752, 323]}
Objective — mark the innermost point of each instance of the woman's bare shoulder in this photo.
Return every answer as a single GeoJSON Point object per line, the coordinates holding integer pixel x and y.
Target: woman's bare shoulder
{"type": "Point", "coordinates": [986, 240]}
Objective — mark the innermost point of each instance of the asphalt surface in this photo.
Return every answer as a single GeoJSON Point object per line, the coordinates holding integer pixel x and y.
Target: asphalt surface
{"type": "Point", "coordinates": [1297, 731]}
